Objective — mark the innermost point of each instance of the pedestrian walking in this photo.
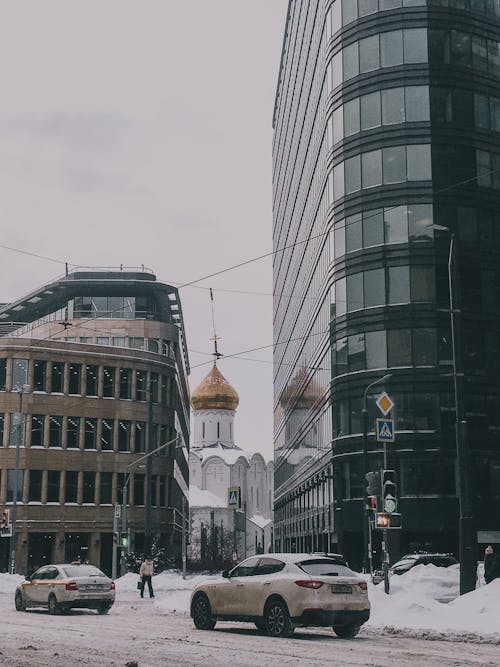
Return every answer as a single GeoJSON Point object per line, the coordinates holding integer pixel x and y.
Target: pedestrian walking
{"type": "Point", "coordinates": [146, 572]}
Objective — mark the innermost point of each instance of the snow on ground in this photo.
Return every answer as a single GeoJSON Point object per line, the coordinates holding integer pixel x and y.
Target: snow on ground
{"type": "Point", "coordinates": [417, 605]}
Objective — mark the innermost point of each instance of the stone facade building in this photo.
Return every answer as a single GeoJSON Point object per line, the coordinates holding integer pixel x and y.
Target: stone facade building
{"type": "Point", "coordinates": [93, 375]}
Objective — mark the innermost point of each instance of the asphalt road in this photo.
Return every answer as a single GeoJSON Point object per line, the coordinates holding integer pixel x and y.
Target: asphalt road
{"type": "Point", "coordinates": [135, 631]}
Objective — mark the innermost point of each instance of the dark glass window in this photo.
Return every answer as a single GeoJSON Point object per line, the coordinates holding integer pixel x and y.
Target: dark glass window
{"type": "Point", "coordinates": [19, 373]}
{"type": "Point", "coordinates": [354, 233]}
{"type": "Point", "coordinates": [37, 423]}
{"type": "Point", "coordinates": [415, 45]}
{"type": "Point", "coordinates": [71, 485]}
{"type": "Point", "coordinates": [91, 382]}
{"type": "Point", "coordinates": [399, 347]}
{"type": "Point", "coordinates": [163, 491]}
{"type": "Point", "coordinates": [350, 57]}
{"type": "Point", "coordinates": [482, 111]}
{"type": "Point", "coordinates": [39, 375]}
{"type": "Point", "coordinates": [88, 487]}
{"type": "Point", "coordinates": [141, 385]}
{"type": "Point", "coordinates": [393, 106]}
{"type": "Point", "coordinates": [124, 435]}
{"type": "Point", "coordinates": [340, 297]}
{"type": "Point", "coordinates": [106, 488]}
{"type": "Point", "coordinates": [109, 382]}
{"type": "Point", "coordinates": [391, 48]}
{"type": "Point", "coordinates": [376, 349]}
{"type": "Point", "coordinates": [351, 117]}
{"type": "Point", "coordinates": [2, 427]}
{"type": "Point", "coordinates": [166, 390]}
{"type": "Point", "coordinates": [369, 54]}
{"type": "Point", "coordinates": [355, 291]}
{"type": "Point", "coordinates": [370, 111]}
{"type": "Point", "coordinates": [460, 48]}
{"type": "Point", "coordinates": [3, 374]}
{"type": "Point", "coordinates": [422, 283]}
{"type": "Point", "coordinates": [90, 439]}
{"type": "Point", "coordinates": [424, 347]}
{"type": "Point", "coordinates": [55, 431]}
{"type": "Point", "coordinates": [356, 351]}
{"type": "Point", "coordinates": [352, 174]}
{"type": "Point", "coordinates": [374, 288]}
{"type": "Point", "coordinates": [140, 436]}
{"type": "Point", "coordinates": [35, 486]}
{"type": "Point", "coordinates": [421, 478]}
{"type": "Point", "coordinates": [373, 228]}
{"type": "Point", "coordinates": [73, 433]}
{"type": "Point", "coordinates": [154, 387]}
{"type": "Point", "coordinates": [138, 489]}
{"type": "Point", "coordinates": [417, 107]}
{"type": "Point", "coordinates": [107, 434]}
{"type": "Point", "coordinates": [365, 7]}
{"type": "Point", "coordinates": [394, 164]}
{"type": "Point", "coordinates": [396, 224]}
{"type": "Point", "coordinates": [479, 53]}
{"type": "Point", "coordinates": [11, 485]}
{"type": "Point", "coordinates": [371, 169]}
{"type": "Point", "coordinates": [341, 356]}
{"type": "Point", "coordinates": [75, 379]}
{"type": "Point", "coordinates": [340, 241]}
{"type": "Point", "coordinates": [53, 486]}
{"type": "Point", "coordinates": [399, 284]}
{"type": "Point", "coordinates": [125, 383]}
{"type": "Point", "coordinates": [420, 222]}
{"type": "Point", "coordinates": [418, 162]}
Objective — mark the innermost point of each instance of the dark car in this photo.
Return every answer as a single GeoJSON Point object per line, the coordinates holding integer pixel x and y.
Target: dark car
{"type": "Point", "coordinates": [412, 560]}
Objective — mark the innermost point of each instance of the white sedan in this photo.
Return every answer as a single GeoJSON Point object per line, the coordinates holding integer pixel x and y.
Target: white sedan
{"type": "Point", "coordinates": [281, 591]}
{"type": "Point", "coordinates": [63, 587]}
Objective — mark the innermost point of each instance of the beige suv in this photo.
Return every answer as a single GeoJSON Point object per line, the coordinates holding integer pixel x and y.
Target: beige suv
{"type": "Point", "coordinates": [62, 587]}
{"type": "Point", "coordinates": [281, 591]}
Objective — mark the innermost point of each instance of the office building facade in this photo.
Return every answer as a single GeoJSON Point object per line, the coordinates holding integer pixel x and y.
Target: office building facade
{"type": "Point", "coordinates": [386, 142]}
{"type": "Point", "coordinates": [93, 375]}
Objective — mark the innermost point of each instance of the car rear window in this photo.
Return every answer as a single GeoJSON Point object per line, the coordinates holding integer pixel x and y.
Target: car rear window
{"type": "Point", "coordinates": [325, 567]}
{"type": "Point", "coordinates": [82, 571]}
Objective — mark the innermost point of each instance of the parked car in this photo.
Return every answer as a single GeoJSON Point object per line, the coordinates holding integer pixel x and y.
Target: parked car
{"type": "Point", "coordinates": [63, 587]}
{"type": "Point", "coordinates": [412, 560]}
{"type": "Point", "coordinates": [281, 591]}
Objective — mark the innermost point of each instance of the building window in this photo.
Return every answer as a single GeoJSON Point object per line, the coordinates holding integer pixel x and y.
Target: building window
{"type": "Point", "coordinates": [140, 436]}
{"type": "Point", "coordinates": [2, 427]}
{"type": "Point", "coordinates": [37, 423]}
{"type": "Point", "coordinates": [19, 373]}
{"type": "Point", "coordinates": [141, 385]}
{"type": "Point", "coordinates": [11, 485]}
{"type": "Point", "coordinates": [39, 375]}
{"type": "Point", "coordinates": [73, 433]}
{"type": "Point", "coordinates": [106, 488]}
{"type": "Point", "coordinates": [399, 347]}
{"type": "Point", "coordinates": [125, 383]}
{"type": "Point", "coordinates": [75, 379]}
{"type": "Point", "coordinates": [90, 439]}
{"type": "Point", "coordinates": [123, 436]}
{"type": "Point", "coordinates": [136, 343]}
{"type": "Point", "coordinates": [138, 489]}
{"type": "Point", "coordinates": [108, 389]}
{"type": "Point", "coordinates": [107, 434]}
{"type": "Point", "coordinates": [88, 488]}
{"type": "Point", "coordinates": [17, 429]}
{"type": "Point", "coordinates": [3, 374]}
{"type": "Point", "coordinates": [165, 390]}
{"type": "Point", "coordinates": [57, 384]}
{"type": "Point", "coordinates": [427, 478]}
{"type": "Point", "coordinates": [35, 486]}
{"type": "Point", "coordinates": [102, 340]}
{"type": "Point", "coordinates": [163, 491]}
{"type": "Point", "coordinates": [55, 431]}
{"type": "Point", "coordinates": [71, 486]}
{"type": "Point", "coordinates": [53, 486]}
{"type": "Point", "coordinates": [153, 345]}
{"type": "Point", "coordinates": [91, 380]}
{"type": "Point", "coordinates": [154, 387]}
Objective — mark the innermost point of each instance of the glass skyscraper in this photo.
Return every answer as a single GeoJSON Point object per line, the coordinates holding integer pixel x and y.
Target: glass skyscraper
{"type": "Point", "coordinates": [386, 142]}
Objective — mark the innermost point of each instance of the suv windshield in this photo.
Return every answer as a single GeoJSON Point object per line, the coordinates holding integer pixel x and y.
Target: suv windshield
{"type": "Point", "coordinates": [82, 571]}
{"type": "Point", "coordinates": [325, 566]}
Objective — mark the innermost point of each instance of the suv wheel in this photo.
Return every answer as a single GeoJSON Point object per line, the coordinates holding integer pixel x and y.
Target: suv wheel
{"type": "Point", "coordinates": [103, 608]}
{"type": "Point", "coordinates": [54, 607]}
{"type": "Point", "coordinates": [277, 619]}
{"type": "Point", "coordinates": [19, 602]}
{"type": "Point", "coordinates": [346, 631]}
{"type": "Point", "coordinates": [201, 613]}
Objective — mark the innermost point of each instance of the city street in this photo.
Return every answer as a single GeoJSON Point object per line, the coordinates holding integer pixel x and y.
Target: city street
{"type": "Point", "coordinates": [136, 630]}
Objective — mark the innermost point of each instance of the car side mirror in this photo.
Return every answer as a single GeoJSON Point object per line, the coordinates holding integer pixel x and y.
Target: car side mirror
{"type": "Point", "coordinates": [225, 574]}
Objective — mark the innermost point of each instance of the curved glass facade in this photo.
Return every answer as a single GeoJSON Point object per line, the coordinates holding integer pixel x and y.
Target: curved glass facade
{"type": "Point", "coordinates": [386, 129]}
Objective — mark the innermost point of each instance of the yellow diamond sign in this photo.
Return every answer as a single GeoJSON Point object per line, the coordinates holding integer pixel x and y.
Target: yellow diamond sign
{"type": "Point", "coordinates": [384, 403]}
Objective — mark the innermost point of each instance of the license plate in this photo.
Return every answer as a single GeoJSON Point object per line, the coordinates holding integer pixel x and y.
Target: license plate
{"type": "Point", "coordinates": [341, 588]}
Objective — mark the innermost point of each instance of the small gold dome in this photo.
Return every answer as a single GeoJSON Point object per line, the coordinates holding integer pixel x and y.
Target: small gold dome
{"type": "Point", "coordinates": [214, 393]}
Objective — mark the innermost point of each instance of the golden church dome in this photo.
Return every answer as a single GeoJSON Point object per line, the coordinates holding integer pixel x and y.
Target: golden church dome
{"type": "Point", "coordinates": [214, 393]}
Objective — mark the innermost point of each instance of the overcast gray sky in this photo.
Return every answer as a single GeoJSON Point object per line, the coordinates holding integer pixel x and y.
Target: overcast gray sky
{"type": "Point", "coordinates": [139, 132]}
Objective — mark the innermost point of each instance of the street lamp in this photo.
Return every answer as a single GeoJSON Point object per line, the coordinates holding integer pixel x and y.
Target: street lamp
{"type": "Point", "coordinates": [366, 557]}
{"type": "Point", "coordinates": [467, 540]}
{"type": "Point", "coordinates": [19, 435]}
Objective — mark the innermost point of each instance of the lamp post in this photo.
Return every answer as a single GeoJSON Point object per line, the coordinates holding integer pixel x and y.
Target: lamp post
{"type": "Point", "coordinates": [467, 540]}
{"type": "Point", "coordinates": [19, 435]}
{"type": "Point", "coordinates": [366, 557]}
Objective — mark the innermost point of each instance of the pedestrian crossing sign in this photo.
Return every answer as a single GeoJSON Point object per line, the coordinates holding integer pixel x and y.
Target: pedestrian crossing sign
{"type": "Point", "coordinates": [384, 430]}
{"type": "Point", "coordinates": [234, 497]}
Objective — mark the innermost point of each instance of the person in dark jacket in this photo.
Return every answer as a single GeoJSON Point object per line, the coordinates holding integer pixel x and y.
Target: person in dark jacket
{"type": "Point", "coordinates": [491, 565]}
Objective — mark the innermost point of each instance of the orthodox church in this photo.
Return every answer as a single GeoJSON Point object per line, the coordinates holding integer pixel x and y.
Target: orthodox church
{"type": "Point", "coordinates": [219, 468]}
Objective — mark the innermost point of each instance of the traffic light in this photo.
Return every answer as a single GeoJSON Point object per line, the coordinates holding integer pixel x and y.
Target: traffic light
{"type": "Point", "coordinates": [389, 491]}
{"type": "Point", "coordinates": [6, 526]}
{"type": "Point", "coordinates": [372, 483]}
{"type": "Point", "coordinates": [124, 540]}
{"type": "Point", "coordinates": [388, 520]}
{"type": "Point", "coordinates": [371, 503]}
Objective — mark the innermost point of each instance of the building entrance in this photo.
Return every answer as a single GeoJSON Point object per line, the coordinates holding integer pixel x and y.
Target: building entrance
{"type": "Point", "coordinates": [76, 547]}
{"type": "Point", "coordinates": [40, 550]}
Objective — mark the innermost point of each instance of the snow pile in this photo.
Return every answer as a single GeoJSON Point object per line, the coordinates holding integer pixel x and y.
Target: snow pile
{"type": "Point", "coordinates": [8, 583]}
{"type": "Point", "coordinates": [417, 601]}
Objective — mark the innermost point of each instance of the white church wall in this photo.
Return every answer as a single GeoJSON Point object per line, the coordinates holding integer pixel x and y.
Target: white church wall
{"type": "Point", "coordinates": [210, 426]}
{"type": "Point", "coordinates": [216, 476]}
